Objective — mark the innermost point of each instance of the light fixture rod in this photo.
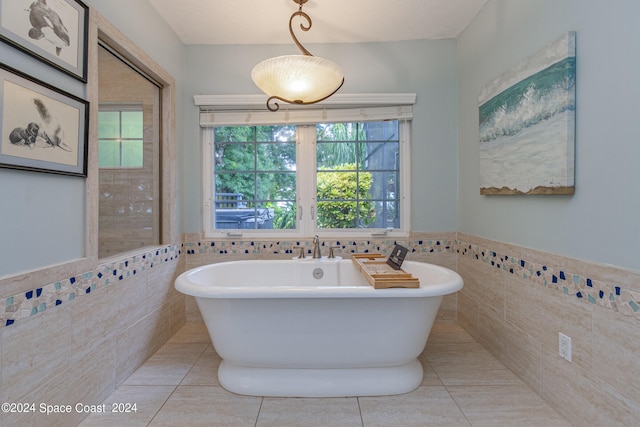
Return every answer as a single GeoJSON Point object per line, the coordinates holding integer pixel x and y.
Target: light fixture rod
{"type": "Point", "coordinates": [302, 26]}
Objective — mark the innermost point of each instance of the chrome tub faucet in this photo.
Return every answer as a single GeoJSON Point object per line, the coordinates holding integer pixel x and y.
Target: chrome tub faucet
{"type": "Point", "coordinates": [316, 248]}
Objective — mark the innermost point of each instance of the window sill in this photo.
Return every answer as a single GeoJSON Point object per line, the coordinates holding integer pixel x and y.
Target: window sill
{"type": "Point", "coordinates": [276, 235]}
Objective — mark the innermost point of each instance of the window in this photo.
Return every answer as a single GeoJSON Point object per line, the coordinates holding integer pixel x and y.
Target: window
{"type": "Point", "coordinates": [255, 177]}
{"type": "Point", "coordinates": [121, 139]}
{"type": "Point", "coordinates": [332, 178]}
{"type": "Point", "coordinates": [357, 175]}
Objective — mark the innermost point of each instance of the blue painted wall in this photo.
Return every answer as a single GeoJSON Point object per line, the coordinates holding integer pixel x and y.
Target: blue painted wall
{"type": "Point", "coordinates": [42, 216]}
{"type": "Point", "coordinates": [600, 222]}
{"type": "Point", "coordinates": [426, 67]}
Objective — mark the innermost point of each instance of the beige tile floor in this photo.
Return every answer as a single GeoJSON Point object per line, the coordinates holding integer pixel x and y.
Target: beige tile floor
{"type": "Point", "coordinates": [463, 385]}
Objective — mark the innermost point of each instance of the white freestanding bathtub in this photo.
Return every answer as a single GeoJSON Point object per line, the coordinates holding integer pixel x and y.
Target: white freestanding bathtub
{"type": "Point", "coordinates": [315, 327]}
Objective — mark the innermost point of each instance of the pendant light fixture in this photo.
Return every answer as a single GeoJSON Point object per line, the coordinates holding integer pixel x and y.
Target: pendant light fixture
{"type": "Point", "coordinates": [297, 79]}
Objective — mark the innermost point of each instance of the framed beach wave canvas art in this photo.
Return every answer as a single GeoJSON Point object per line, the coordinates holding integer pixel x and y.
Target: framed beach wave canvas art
{"type": "Point", "coordinates": [527, 124]}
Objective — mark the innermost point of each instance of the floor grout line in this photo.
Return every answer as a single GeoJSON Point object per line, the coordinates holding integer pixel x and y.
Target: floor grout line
{"type": "Point", "coordinates": [259, 409]}
{"type": "Point", "coordinates": [161, 406]}
{"type": "Point", "coordinates": [468, 383]}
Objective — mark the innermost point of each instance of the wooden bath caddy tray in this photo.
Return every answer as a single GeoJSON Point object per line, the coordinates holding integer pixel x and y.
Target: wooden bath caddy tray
{"type": "Point", "coordinates": [380, 275]}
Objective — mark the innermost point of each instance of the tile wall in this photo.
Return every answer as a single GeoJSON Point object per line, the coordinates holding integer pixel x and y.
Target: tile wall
{"type": "Point", "coordinates": [515, 302]}
{"type": "Point", "coordinates": [78, 338]}
{"type": "Point", "coordinates": [128, 204]}
{"type": "Point", "coordinates": [75, 340]}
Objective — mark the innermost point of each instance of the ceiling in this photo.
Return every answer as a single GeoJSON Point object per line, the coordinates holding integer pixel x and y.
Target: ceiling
{"type": "Point", "coordinates": [334, 21]}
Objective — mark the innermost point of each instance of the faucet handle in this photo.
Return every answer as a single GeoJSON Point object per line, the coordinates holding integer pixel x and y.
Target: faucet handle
{"type": "Point", "coordinates": [301, 254]}
{"type": "Point", "coordinates": [331, 248]}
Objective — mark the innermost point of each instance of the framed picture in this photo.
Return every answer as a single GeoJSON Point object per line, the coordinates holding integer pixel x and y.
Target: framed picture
{"type": "Point", "coordinates": [42, 128]}
{"type": "Point", "coordinates": [527, 124]}
{"type": "Point", "coordinates": [54, 31]}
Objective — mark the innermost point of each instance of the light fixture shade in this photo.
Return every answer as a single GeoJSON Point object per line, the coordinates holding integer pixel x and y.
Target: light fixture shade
{"type": "Point", "coordinates": [300, 79]}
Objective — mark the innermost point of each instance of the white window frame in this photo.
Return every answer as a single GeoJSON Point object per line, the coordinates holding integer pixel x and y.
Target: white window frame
{"type": "Point", "coordinates": [248, 110]}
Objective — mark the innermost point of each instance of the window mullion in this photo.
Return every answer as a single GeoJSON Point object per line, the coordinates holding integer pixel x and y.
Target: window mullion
{"type": "Point", "coordinates": [405, 177]}
{"type": "Point", "coordinates": [312, 168]}
{"type": "Point", "coordinates": [208, 187]}
{"type": "Point", "coordinates": [120, 135]}
{"type": "Point", "coordinates": [255, 171]}
{"type": "Point", "coordinates": [306, 167]}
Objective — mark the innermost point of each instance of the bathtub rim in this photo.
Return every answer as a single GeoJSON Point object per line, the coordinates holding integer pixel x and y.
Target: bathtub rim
{"type": "Point", "coordinates": [184, 285]}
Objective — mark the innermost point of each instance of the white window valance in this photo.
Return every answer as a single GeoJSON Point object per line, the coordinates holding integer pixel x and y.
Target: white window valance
{"type": "Point", "coordinates": [230, 110]}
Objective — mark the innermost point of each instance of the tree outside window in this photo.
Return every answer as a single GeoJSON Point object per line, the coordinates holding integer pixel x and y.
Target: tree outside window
{"type": "Point", "coordinates": [355, 169]}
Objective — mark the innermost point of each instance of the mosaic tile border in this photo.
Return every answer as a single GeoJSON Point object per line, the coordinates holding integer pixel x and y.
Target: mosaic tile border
{"type": "Point", "coordinates": [345, 247]}
{"type": "Point", "coordinates": [39, 300]}
{"type": "Point", "coordinates": [36, 301]}
{"type": "Point", "coordinates": [608, 295]}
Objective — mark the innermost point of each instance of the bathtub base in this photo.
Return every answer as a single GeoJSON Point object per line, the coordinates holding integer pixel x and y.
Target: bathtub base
{"type": "Point", "coordinates": [320, 382]}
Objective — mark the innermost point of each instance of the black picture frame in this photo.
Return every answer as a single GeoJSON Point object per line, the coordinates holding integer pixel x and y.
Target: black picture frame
{"type": "Point", "coordinates": [42, 128]}
{"type": "Point", "coordinates": [53, 31]}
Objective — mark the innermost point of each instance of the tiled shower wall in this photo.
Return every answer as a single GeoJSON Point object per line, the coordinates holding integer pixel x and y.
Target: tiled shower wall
{"type": "Point", "coordinates": [515, 301]}
{"type": "Point", "coordinates": [129, 197]}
